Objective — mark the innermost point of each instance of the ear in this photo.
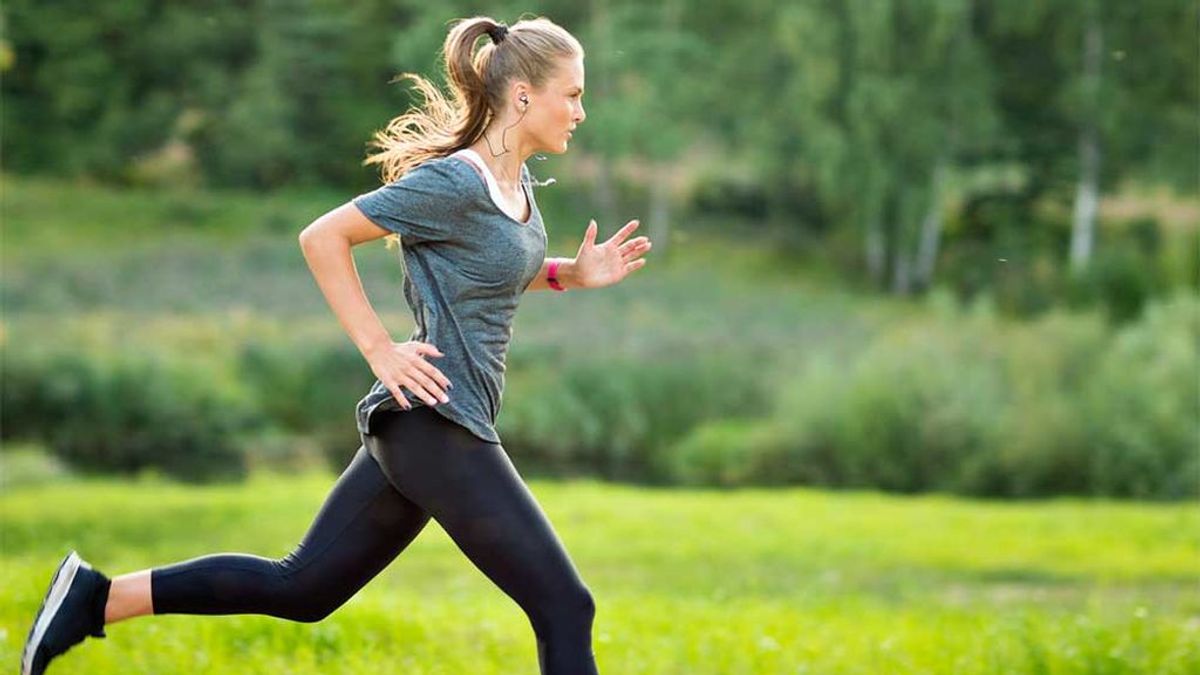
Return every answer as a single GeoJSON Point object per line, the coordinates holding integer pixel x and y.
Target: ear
{"type": "Point", "coordinates": [521, 94]}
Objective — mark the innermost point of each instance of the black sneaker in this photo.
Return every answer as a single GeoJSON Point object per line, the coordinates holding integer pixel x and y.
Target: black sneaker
{"type": "Point", "coordinates": [72, 610]}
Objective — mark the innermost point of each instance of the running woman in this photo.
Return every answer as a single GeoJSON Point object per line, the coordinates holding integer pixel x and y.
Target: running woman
{"type": "Point", "coordinates": [458, 197]}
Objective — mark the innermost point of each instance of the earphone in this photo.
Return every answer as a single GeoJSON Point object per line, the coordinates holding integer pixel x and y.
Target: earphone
{"type": "Point", "coordinates": [524, 99]}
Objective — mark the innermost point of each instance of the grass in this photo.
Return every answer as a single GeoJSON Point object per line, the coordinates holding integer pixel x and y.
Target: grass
{"type": "Point", "coordinates": [686, 581]}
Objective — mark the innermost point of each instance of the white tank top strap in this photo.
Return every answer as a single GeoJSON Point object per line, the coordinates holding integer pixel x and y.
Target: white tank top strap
{"type": "Point", "coordinates": [492, 186]}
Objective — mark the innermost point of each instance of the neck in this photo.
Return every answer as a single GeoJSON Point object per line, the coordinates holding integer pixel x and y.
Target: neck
{"type": "Point", "coordinates": [505, 165]}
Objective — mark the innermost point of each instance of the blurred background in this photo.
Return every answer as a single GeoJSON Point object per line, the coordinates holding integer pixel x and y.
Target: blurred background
{"type": "Point", "coordinates": [913, 245]}
{"type": "Point", "coordinates": [916, 347]}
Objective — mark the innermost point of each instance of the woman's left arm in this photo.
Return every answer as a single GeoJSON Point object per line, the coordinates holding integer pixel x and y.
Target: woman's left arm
{"type": "Point", "coordinates": [596, 266]}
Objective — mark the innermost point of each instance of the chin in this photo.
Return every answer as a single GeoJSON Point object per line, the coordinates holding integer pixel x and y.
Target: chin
{"type": "Point", "coordinates": [555, 148]}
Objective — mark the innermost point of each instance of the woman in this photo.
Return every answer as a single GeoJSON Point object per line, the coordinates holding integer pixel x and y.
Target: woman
{"type": "Point", "coordinates": [458, 197]}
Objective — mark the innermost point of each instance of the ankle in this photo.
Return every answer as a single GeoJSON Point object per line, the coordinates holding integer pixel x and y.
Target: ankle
{"type": "Point", "coordinates": [99, 606]}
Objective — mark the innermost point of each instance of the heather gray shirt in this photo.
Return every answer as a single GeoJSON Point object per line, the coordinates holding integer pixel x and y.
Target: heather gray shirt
{"type": "Point", "coordinates": [466, 263]}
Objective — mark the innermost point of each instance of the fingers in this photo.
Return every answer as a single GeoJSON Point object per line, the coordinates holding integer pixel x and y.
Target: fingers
{"type": "Point", "coordinates": [428, 349]}
{"type": "Point", "coordinates": [419, 385]}
{"type": "Point", "coordinates": [589, 235]}
{"type": "Point", "coordinates": [439, 380]}
{"type": "Point", "coordinates": [623, 232]}
{"type": "Point", "coordinates": [422, 385]}
{"type": "Point", "coordinates": [417, 375]}
{"type": "Point", "coordinates": [634, 247]}
{"type": "Point", "coordinates": [397, 394]}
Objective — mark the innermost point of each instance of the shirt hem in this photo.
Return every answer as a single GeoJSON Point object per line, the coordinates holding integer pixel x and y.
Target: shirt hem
{"type": "Point", "coordinates": [365, 416]}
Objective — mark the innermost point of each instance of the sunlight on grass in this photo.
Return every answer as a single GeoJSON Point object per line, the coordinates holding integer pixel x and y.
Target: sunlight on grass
{"type": "Point", "coordinates": [686, 581]}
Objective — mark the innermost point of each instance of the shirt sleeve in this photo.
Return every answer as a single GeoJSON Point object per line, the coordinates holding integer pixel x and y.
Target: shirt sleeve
{"type": "Point", "coordinates": [423, 205]}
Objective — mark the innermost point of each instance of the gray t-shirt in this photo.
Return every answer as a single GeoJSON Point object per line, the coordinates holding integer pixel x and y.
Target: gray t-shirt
{"type": "Point", "coordinates": [466, 263]}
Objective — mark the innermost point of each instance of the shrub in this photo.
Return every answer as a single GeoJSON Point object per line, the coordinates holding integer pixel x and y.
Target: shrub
{"type": "Point", "coordinates": [906, 415]}
{"type": "Point", "coordinates": [974, 405]}
{"type": "Point", "coordinates": [125, 413]}
{"type": "Point", "coordinates": [726, 453]}
{"type": "Point", "coordinates": [618, 417]}
{"type": "Point", "coordinates": [1143, 406]}
{"type": "Point", "coordinates": [27, 464]}
{"type": "Point", "coordinates": [311, 389]}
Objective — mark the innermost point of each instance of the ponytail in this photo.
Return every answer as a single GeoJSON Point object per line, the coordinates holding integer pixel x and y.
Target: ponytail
{"type": "Point", "coordinates": [478, 79]}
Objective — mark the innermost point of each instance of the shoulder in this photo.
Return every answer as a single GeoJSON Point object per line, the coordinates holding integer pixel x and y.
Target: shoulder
{"type": "Point", "coordinates": [440, 171]}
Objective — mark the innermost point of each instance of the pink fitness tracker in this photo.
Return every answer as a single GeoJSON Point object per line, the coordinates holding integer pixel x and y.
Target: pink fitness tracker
{"type": "Point", "coordinates": [552, 275]}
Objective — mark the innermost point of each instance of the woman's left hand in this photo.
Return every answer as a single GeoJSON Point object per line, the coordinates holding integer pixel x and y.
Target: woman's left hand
{"type": "Point", "coordinates": [610, 262]}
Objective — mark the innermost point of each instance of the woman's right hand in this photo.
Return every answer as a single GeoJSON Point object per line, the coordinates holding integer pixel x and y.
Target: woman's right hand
{"type": "Point", "coordinates": [399, 364]}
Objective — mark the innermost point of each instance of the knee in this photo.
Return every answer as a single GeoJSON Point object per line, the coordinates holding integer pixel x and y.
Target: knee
{"type": "Point", "coordinates": [575, 608]}
{"type": "Point", "coordinates": [304, 599]}
{"type": "Point", "coordinates": [307, 606]}
{"type": "Point", "coordinates": [309, 613]}
{"type": "Point", "coordinates": [586, 604]}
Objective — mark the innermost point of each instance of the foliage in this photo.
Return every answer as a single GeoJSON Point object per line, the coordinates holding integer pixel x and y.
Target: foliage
{"type": "Point", "coordinates": [853, 131]}
{"type": "Point", "coordinates": [125, 413]}
{"type": "Point", "coordinates": [975, 406]}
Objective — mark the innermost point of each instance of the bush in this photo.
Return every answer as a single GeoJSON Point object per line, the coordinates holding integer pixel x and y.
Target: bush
{"type": "Point", "coordinates": [311, 389]}
{"type": "Point", "coordinates": [974, 405]}
{"type": "Point", "coordinates": [28, 464]}
{"type": "Point", "coordinates": [618, 417]}
{"type": "Point", "coordinates": [1121, 280]}
{"type": "Point", "coordinates": [1143, 406]}
{"type": "Point", "coordinates": [730, 453]}
{"type": "Point", "coordinates": [1041, 367]}
{"type": "Point", "coordinates": [906, 415]}
{"type": "Point", "coordinates": [126, 413]}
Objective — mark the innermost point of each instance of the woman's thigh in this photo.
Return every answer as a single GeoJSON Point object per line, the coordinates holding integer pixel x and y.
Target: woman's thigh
{"type": "Point", "coordinates": [471, 488]}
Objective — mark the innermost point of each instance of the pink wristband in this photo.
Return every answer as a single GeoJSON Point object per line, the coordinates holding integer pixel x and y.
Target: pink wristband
{"type": "Point", "coordinates": [552, 275]}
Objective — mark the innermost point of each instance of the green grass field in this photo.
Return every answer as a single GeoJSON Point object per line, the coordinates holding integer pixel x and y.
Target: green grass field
{"type": "Point", "coordinates": [686, 581]}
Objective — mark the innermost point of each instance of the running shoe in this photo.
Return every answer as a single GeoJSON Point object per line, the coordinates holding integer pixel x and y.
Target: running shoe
{"type": "Point", "coordinates": [70, 612]}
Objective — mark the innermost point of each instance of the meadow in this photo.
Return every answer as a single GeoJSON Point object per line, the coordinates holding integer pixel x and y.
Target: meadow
{"type": "Point", "coordinates": [909, 384]}
{"type": "Point", "coordinates": [781, 579]}
{"type": "Point", "coordinates": [686, 581]}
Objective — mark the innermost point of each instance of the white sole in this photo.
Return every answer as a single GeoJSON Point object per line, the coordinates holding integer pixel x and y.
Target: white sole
{"type": "Point", "coordinates": [58, 590]}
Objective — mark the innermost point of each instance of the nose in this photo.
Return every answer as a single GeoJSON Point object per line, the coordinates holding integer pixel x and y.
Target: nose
{"type": "Point", "coordinates": [580, 115]}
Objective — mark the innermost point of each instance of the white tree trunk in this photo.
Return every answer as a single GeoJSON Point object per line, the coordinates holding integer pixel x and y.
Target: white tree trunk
{"type": "Point", "coordinates": [931, 229]}
{"type": "Point", "coordinates": [1087, 200]}
{"type": "Point", "coordinates": [901, 272]}
{"type": "Point", "coordinates": [660, 212]}
{"type": "Point", "coordinates": [1087, 192]}
{"type": "Point", "coordinates": [605, 194]}
{"type": "Point", "coordinates": [876, 250]}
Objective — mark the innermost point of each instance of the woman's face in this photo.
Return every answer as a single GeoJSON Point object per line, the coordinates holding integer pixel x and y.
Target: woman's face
{"type": "Point", "coordinates": [557, 108]}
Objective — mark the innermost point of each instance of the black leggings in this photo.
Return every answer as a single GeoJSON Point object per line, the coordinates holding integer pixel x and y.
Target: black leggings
{"type": "Point", "coordinates": [416, 464]}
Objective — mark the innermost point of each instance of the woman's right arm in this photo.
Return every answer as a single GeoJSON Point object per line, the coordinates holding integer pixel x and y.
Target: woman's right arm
{"type": "Point", "coordinates": [327, 244]}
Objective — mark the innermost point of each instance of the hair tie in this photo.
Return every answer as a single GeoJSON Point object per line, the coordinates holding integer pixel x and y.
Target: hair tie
{"type": "Point", "coordinates": [498, 33]}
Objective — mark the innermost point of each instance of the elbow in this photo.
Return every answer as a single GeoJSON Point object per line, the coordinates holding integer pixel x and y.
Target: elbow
{"type": "Point", "coordinates": [316, 237]}
{"type": "Point", "coordinates": [307, 236]}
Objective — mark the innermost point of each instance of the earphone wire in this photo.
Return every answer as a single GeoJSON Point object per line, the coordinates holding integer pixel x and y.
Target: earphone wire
{"type": "Point", "coordinates": [533, 182]}
{"type": "Point", "coordinates": [530, 181]}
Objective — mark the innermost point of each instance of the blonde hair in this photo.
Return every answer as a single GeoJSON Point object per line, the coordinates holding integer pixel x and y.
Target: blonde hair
{"type": "Point", "coordinates": [478, 81]}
